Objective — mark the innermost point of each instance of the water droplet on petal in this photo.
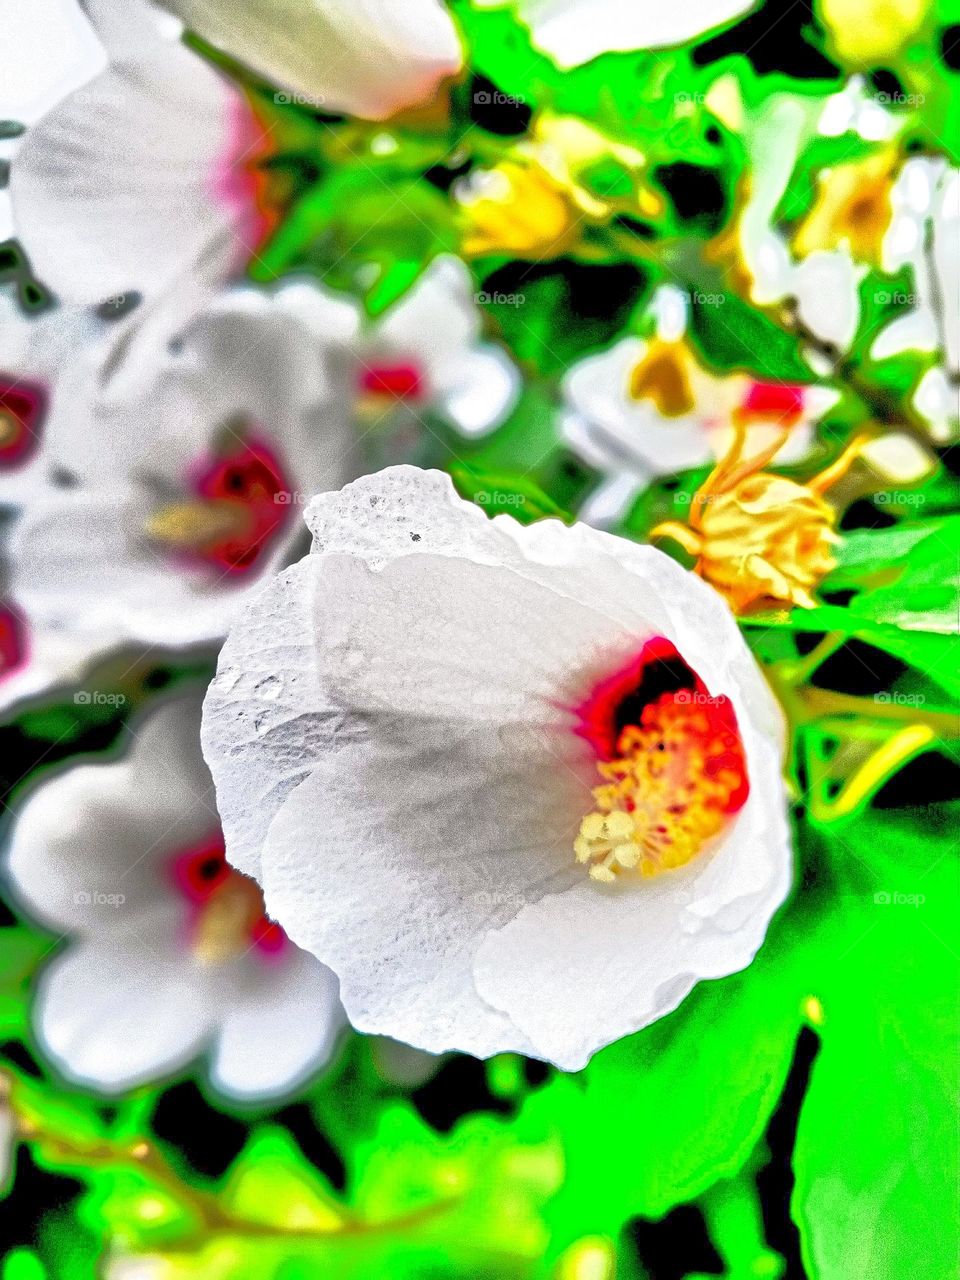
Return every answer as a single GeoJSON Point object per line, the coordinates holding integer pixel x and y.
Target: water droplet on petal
{"type": "Point", "coordinates": [270, 687]}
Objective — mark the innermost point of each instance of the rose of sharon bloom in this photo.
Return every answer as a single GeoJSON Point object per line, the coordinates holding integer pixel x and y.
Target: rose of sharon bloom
{"type": "Point", "coordinates": [142, 180]}
{"type": "Point", "coordinates": [152, 536]}
{"type": "Point", "coordinates": [574, 31]}
{"type": "Point", "coordinates": [925, 234]}
{"type": "Point", "coordinates": [366, 57]}
{"type": "Point", "coordinates": [648, 408]}
{"type": "Point", "coordinates": [170, 954]}
{"type": "Point", "coordinates": [519, 787]}
{"type": "Point", "coordinates": [48, 365]}
{"type": "Point", "coordinates": [424, 356]}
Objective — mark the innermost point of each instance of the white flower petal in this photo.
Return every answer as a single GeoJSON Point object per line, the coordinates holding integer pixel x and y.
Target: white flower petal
{"type": "Point", "coordinates": [448, 784]}
{"type": "Point", "coordinates": [134, 179]}
{"type": "Point", "coordinates": [627, 431]}
{"type": "Point", "coordinates": [946, 250]}
{"type": "Point", "coordinates": [629, 961]}
{"type": "Point", "coordinates": [825, 285]}
{"type": "Point", "coordinates": [50, 49]}
{"type": "Point", "coordinates": [116, 1011]}
{"type": "Point", "coordinates": [437, 319]}
{"type": "Point", "coordinates": [478, 390]}
{"type": "Point", "coordinates": [574, 31]}
{"type": "Point", "coordinates": [79, 842]}
{"type": "Point", "coordinates": [279, 1025]}
{"type": "Point", "coordinates": [244, 369]}
{"type": "Point", "coordinates": [368, 57]}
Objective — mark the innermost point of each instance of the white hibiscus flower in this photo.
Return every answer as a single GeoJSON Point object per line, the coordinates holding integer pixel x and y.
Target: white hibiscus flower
{"type": "Point", "coordinates": [48, 361]}
{"type": "Point", "coordinates": [924, 234]}
{"type": "Point", "coordinates": [574, 31]}
{"type": "Point", "coordinates": [141, 181]}
{"type": "Point", "coordinates": [824, 282]}
{"type": "Point", "coordinates": [170, 954]}
{"type": "Point", "coordinates": [642, 409]}
{"type": "Point", "coordinates": [440, 744]}
{"type": "Point", "coordinates": [49, 364]}
{"type": "Point", "coordinates": [424, 356]}
{"type": "Point", "coordinates": [8, 1135]}
{"type": "Point", "coordinates": [367, 57]}
{"type": "Point", "coordinates": [165, 507]}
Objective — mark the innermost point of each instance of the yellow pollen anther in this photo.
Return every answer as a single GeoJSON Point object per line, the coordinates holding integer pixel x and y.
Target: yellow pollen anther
{"type": "Point", "coordinates": [760, 538]}
{"type": "Point", "coordinates": [852, 209]}
{"type": "Point", "coordinates": [522, 211]}
{"type": "Point", "coordinates": [563, 176]}
{"type": "Point", "coordinates": [10, 427]}
{"type": "Point", "coordinates": [668, 792]}
{"type": "Point", "coordinates": [223, 928]}
{"type": "Point", "coordinates": [194, 526]}
{"type": "Point", "coordinates": [663, 376]}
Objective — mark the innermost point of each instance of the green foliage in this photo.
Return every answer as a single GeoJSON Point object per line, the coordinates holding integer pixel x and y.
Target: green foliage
{"type": "Point", "coordinates": [863, 951]}
{"type": "Point", "coordinates": [876, 1159]}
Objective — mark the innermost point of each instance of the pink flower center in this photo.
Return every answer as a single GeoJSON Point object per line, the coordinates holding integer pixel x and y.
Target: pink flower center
{"type": "Point", "coordinates": [773, 402]}
{"type": "Point", "coordinates": [402, 381]}
{"type": "Point", "coordinates": [22, 408]}
{"type": "Point", "coordinates": [247, 487]}
{"type": "Point", "coordinates": [657, 684]}
{"type": "Point", "coordinates": [12, 640]}
{"type": "Point", "coordinates": [227, 917]}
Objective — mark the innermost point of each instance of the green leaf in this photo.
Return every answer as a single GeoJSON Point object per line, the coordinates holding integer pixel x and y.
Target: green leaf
{"type": "Point", "coordinates": [506, 494]}
{"type": "Point", "coordinates": [362, 231]}
{"type": "Point", "coordinates": [905, 596]}
{"type": "Point", "coordinates": [735, 337]}
{"type": "Point", "coordinates": [876, 1156]}
{"type": "Point", "coordinates": [657, 1118]}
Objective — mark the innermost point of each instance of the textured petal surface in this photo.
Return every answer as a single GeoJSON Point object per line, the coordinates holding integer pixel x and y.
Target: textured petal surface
{"type": "Point", "coordinates": [368, 57]}
{"type": "Point", "coordinates": [444, 782]}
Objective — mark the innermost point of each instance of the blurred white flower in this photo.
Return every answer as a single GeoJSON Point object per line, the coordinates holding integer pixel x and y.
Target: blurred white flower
{"type": "Point", "coordinates": [423, 356]}
{"type": "Point", "coordinates": [140, 181]}
{"type": "Point", "coordinates": [824, 282]}
{"type": "Point", "coordinates": [574, 31]}
{"type": "Point", "coordinates": [170, 954]}
{"type": "Point", "coordinates": [643, 409]}
{"type": "Point", "coordinates": [8, 1134]}
{"type": "Point", "coordinates": [163, 507]}
{"type": "Point", "coordinates": [436, 742]}
{"type": "Point", "coordinates": [47, 363]}
{"type": "Point", "coordinates": [367, 57]}
{"type": "Point", "coordinates": [924, 234]}
{"type": "Point", "coordinates": [49, 50]}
